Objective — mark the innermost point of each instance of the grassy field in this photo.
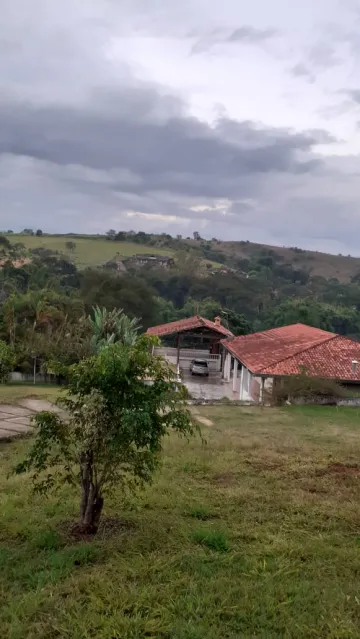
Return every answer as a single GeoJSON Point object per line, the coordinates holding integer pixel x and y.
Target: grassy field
{"type": "Point", "coordinates": [91, 251]}
{"type": "Point", "coordinates": [11, 393]}
{"type": "Point", "coordinates": [255, 533]}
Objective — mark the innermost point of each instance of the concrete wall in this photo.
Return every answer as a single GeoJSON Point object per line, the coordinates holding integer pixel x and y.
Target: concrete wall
{"type": "Point", "coordinates": [29, 377]}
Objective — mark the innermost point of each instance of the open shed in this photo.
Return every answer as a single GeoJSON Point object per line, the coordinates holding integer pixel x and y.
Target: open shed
{"type": "Point", "coordinates": [191, 338]}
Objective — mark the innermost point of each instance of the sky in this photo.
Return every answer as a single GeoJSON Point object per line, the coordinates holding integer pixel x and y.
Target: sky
{"type": "Point", "coordinates": [237, 120]}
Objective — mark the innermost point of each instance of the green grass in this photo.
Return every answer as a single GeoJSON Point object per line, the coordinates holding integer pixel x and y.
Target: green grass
{"type": "Point", "coordinates": [91, 251]}
{"type": "Point", "coordinates": [11, 393]}
{"type": "Point", "coordinates": [279, 490]}
{"type": "Point", "coordinates": [213, 539]}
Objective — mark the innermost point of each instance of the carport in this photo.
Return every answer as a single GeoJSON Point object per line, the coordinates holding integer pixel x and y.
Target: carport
{"type": "Point", "coordinates": [191, 338]}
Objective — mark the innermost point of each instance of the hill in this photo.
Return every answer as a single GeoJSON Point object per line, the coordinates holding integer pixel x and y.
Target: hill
{"type": "Point", "coordinates": [326, 265]}
{"type": "Point", "coordinates": [88, 250]}
{"type": "Point", "coordinates": [96, 250]}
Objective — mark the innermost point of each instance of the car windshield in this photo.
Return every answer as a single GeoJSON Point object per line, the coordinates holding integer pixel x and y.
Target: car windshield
{"type": "Point", "coordinates": [200, 362]}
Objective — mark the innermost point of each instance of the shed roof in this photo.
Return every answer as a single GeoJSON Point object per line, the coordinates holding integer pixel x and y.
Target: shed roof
{"type": "Point", "coordinates": [290, 349]}
{"type": "Point", "coordinates": [188, 324]}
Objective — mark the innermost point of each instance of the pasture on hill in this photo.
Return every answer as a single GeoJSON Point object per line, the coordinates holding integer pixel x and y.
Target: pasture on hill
{"type": "Point", "coordinates": [88, 251]}
{"type": "Point", "coordinates": [253, 533]}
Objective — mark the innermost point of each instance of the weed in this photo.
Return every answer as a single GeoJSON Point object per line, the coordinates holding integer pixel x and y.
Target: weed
{"type": "Point", "coordinates": [202, 513]}
{"type": "Point", "coordinates": [47, 540]}
{"type": "Point", "coordinates": [213, 539]}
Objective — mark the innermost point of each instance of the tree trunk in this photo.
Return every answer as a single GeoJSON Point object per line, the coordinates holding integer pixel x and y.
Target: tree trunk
{"type": "Point", "coordinates": [91, 501]}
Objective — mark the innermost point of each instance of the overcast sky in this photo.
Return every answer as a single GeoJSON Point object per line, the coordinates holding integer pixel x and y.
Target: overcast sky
{"type": "Point", "coordinates": [236, 119]}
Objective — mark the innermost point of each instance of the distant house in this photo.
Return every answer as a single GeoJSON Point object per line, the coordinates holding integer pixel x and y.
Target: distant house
{"type": "Point", "coordinates": [162, 261]}
{"type": "Point", "coordinates": [116, 265]}
{"type": "Point", "coordinates": [253, 362]}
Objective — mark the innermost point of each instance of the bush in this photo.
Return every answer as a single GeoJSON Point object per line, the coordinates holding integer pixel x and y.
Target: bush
{"type": "Point", "coordinates": [307, 388]}
{"type": "Point", "coordinates": [7, 361]}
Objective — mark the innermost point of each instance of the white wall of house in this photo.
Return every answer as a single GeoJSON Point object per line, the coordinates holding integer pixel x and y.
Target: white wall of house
{"type": "Point", "coordinates": [245, 385]}
{"type": "Point", "coordinates": [245, 388]}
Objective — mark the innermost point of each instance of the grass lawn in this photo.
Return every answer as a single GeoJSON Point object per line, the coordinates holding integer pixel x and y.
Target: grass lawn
{"type": "Point", "coordinates": [90, 251]}
{"type": "Point", "coordinates": [255, 533]}
{"type": "Point", "coordinates": [11, 393]}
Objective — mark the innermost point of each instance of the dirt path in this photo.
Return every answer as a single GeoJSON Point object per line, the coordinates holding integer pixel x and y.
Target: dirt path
{"type": "Point", "coordinates": [199, 418]}
{"type": "Point", "coordinates": [15, 419]}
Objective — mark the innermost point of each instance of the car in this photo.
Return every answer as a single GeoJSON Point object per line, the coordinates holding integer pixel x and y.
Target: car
{"type": "Point", "coordinates": [199, 367]}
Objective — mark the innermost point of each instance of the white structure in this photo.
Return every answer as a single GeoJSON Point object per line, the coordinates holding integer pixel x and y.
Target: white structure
{"type": "Point", "coordinates": [245, 385]}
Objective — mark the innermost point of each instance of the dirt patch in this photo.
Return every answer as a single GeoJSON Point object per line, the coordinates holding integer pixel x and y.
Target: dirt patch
{"type": "Point", "coordinates": [313, 489]}
{"type": "Point", "coordinates": [339, 469]}
{"type": "Point", "coordinates": [110, 526]}
{"type": "Point", "coordinates": [225, 479]}
{"type": "Point", "coordinates": [204, 420]}
{"type": "Point", "coordinates": [261, 465]}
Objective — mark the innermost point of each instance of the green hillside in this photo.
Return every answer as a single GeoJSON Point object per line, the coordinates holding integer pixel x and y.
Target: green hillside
{"type": "Point", "coordinates": [95, 250]}
{"type": "Point", "coordinates": [88, 251]}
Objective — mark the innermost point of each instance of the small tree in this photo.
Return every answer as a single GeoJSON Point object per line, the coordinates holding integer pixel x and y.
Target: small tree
{"type": "Point", "coordinates": [7, 361]}
{"type": "Point", "coordinates": [115, 426]}
{"type": "Point", "coordinates": [111, 234]}
{"type": "Point", "coordinates": [71, 246]}
{"type": "Point", "coordinates": [39, 233]}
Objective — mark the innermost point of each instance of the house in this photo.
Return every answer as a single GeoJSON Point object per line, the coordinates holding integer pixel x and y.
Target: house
{"type": "Point", "coordinates": [199, 337]}
{"type": "Point", "coordinates": [253, 362]}
{"type": "Point", "coordinates": [116, 264]}
{"type": "Point", "coordinates": [162, 261]}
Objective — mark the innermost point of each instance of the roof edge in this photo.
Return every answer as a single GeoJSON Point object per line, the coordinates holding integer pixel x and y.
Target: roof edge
{"type": "Point", "coordinates": [303, 350]}
{"type": "Point", "coordinates": [331, 337]}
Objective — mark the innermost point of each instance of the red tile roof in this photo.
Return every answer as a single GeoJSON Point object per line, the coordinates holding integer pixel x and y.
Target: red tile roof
{"type": "Point", "coordinates": [186, 325]}
{"type": "Point", "coordinates": [290, 349]}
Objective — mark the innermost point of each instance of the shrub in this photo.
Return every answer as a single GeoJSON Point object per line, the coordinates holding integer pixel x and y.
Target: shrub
{"type": "Point", "coordinates": [7, 361]}
{"type": "Point", "coordinates": [308, 388]}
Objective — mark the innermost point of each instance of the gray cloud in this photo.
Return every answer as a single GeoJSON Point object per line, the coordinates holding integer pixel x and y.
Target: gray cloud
{"type": "Point", "coordinates": [301, 70]}
{"type": "Point", "coordinates": [243, 35]}
{"type": "Point", "coordinates": [354, 94]}
{"type": "Point", "coordinates": [320, 57]}
{"type": "Point", "coordinates": [150, 136]}
{"type": "Point", "coordinates": [250, 34]}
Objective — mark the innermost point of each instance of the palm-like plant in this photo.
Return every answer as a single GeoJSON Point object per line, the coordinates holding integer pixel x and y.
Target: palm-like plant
{"type": "Point", "coordinates": [112, 326]}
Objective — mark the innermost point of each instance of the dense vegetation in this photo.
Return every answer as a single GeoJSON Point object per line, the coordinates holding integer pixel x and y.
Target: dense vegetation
{"type": "Point", "coordinates": [46, 299]}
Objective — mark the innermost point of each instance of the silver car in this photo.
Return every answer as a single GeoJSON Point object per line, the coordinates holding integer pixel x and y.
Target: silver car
{"type": "Point", "coordinates": [199, 367]}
